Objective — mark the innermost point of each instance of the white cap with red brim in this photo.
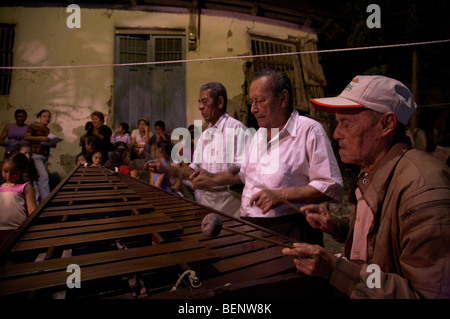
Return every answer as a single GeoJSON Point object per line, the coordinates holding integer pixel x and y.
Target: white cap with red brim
{"type": "Point", "coordinates": [375, 92]}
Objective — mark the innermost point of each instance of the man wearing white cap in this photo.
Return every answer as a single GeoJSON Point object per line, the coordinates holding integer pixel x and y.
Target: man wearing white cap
{"type": "Point", "coordinates": [398, 237]}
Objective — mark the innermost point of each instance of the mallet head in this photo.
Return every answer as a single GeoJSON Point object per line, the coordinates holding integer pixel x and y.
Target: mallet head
{"type": "Point", "coordinates": [212, 225]}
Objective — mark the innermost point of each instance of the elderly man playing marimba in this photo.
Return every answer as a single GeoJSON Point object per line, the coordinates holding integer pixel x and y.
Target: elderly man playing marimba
{"type": "Point", "coordinates": [398, 238]}
{"type": "Point", "coordinates": [290, 161]}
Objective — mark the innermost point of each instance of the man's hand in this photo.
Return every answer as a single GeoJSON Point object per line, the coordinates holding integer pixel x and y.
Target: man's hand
{"type": "Point", "coordinates": [202, 179]}
{"type": "Point", "coordinates": [155, 166]}
{"type": "Point", "coordinates": [267, 199]}
{"type": "Point", "coordinates": [318, 216]}
{"type": "Point", "coordinates": [312, 260]}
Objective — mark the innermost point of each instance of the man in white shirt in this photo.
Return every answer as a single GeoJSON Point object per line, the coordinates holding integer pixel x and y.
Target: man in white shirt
{"type": "Point", "coordinates": [216, 150]}
{"type": "Point", "coordinates": [291, 161]}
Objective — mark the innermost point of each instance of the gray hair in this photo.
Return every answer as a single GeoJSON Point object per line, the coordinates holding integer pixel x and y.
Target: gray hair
{"type": "Point", "coordinates": [216, 89]}
{"type": "Point", "coordinates": [400, 131]}
{"type": "Point", "coordinates": [279, 81]}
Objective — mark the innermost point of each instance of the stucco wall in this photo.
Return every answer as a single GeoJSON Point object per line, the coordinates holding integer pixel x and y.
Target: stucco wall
{"type": "Point", "coordinates": [42, 38]}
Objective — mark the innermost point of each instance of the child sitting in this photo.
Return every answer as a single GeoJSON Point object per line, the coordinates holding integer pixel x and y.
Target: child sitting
{"type": "Point", "coordinates": [31, 175]}
{"type": "Point", "coordinates": [81, 159]}
{"type": "Point", "coordinates": [17, 196]}
{"type": "Point", "coordinates": [162, 152]}
{"type": "Point", "coordinates": [97, 158]}
{"type": "Point", "coordinates": [122, 134]}
{"type": "Point", "coordinates": [120, 159]}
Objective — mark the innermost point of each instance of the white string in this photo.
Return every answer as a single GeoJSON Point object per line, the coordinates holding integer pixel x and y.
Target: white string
{"type": "Point", "coordinates": [192, 280]}
{"type": "Point", "coordinates": [221, 58]}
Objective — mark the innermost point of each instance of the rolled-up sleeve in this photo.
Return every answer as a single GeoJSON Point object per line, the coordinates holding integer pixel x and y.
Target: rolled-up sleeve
{"type": "Point", "coordinates": [324, 171]}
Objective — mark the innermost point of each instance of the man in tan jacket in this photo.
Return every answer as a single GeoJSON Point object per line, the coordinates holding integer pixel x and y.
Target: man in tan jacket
{"type": "Point", "coordinates": [398, 237]}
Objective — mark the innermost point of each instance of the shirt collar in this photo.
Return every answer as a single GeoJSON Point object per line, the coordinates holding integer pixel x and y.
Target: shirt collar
{"type": "Point", "coordinates": [290, 128]}
{"type": "Point", "coordinates": [291, 124]}
{"type": "Point", "coordinates": [220, 123]}
{"type": "Point", "coordinates": [374, 186]}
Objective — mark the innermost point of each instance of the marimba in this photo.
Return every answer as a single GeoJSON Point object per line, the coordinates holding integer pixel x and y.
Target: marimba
{"type": "Point", "coordinates": [102, 234]}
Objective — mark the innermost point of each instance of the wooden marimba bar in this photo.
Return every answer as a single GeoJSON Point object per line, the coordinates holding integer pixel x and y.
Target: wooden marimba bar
{"type": "Point", "coordinates": [113, 235]}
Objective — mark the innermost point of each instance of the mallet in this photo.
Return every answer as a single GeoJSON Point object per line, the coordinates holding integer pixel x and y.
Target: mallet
{"type": "Point", "coordinates": [212, 225]}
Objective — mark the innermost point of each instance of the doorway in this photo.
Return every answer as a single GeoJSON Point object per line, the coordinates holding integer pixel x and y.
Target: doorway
{"type": "Point", "coordinates": [158, 91]}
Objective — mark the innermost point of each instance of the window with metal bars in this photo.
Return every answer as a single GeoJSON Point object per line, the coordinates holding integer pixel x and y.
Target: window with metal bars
{"type": "Point", "coordinates": [145, 48]}
{"type": "Point", "coordinates": [133, 49]}
{"type": "Point", "coordinates": [288, 63]}
{"type": "Point", "coordinates": [168, 49]}
{"type": "Point", "coordinates": [6, 56]}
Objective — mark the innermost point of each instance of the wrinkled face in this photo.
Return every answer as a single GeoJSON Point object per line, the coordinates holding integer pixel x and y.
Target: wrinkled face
{"type": "Point", "coordinates": [45, 118]}
{"type": "Point", "coordinates": [11, 173]}
{"type": "Point", "coordinates": [358, 135]}
{"type": "Point", "coordinates": [268, 108]}
{"type": "Point", "coordinates": [210, 109]}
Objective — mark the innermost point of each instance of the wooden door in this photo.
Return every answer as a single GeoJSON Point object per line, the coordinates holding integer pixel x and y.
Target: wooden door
{"type": "Point", "coordinates": [158, 91]}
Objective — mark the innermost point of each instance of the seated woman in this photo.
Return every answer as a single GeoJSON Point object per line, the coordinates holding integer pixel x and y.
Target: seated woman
{"type": "Point", "coordinates": [140, 139]}
{"type": "Point", "coordinates": [101, 131]}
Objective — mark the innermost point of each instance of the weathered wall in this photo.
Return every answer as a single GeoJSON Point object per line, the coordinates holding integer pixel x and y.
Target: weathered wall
{"type": "Point", "coordinates": [42, 38]}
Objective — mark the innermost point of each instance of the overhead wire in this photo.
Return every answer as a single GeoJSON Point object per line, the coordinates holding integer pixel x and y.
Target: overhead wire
{"type": "Point", "coordinates": [46, 67]}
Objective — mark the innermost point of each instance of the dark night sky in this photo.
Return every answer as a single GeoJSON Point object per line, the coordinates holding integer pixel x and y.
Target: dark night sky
{"type": "Point", "coordinates": [402, 21]}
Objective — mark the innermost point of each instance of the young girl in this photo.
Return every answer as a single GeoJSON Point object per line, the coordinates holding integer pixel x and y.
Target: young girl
{"type": "Point", "coordinates": [121, 160]}
{"type": "Point", "coordinates": [17, 196]}
{"type": "Point", "coordinates": [97, 158]}
{"type": "Point", "coordinates": [122, 134]}
{"type": "Point", "coordinates": [129, 165]}
{"type": "Point", "coordinates": [163, 151]}
{"type": "Point", "coordinates": [31, 174]}
{"type": "Point", "coordinates": [81, 159]}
